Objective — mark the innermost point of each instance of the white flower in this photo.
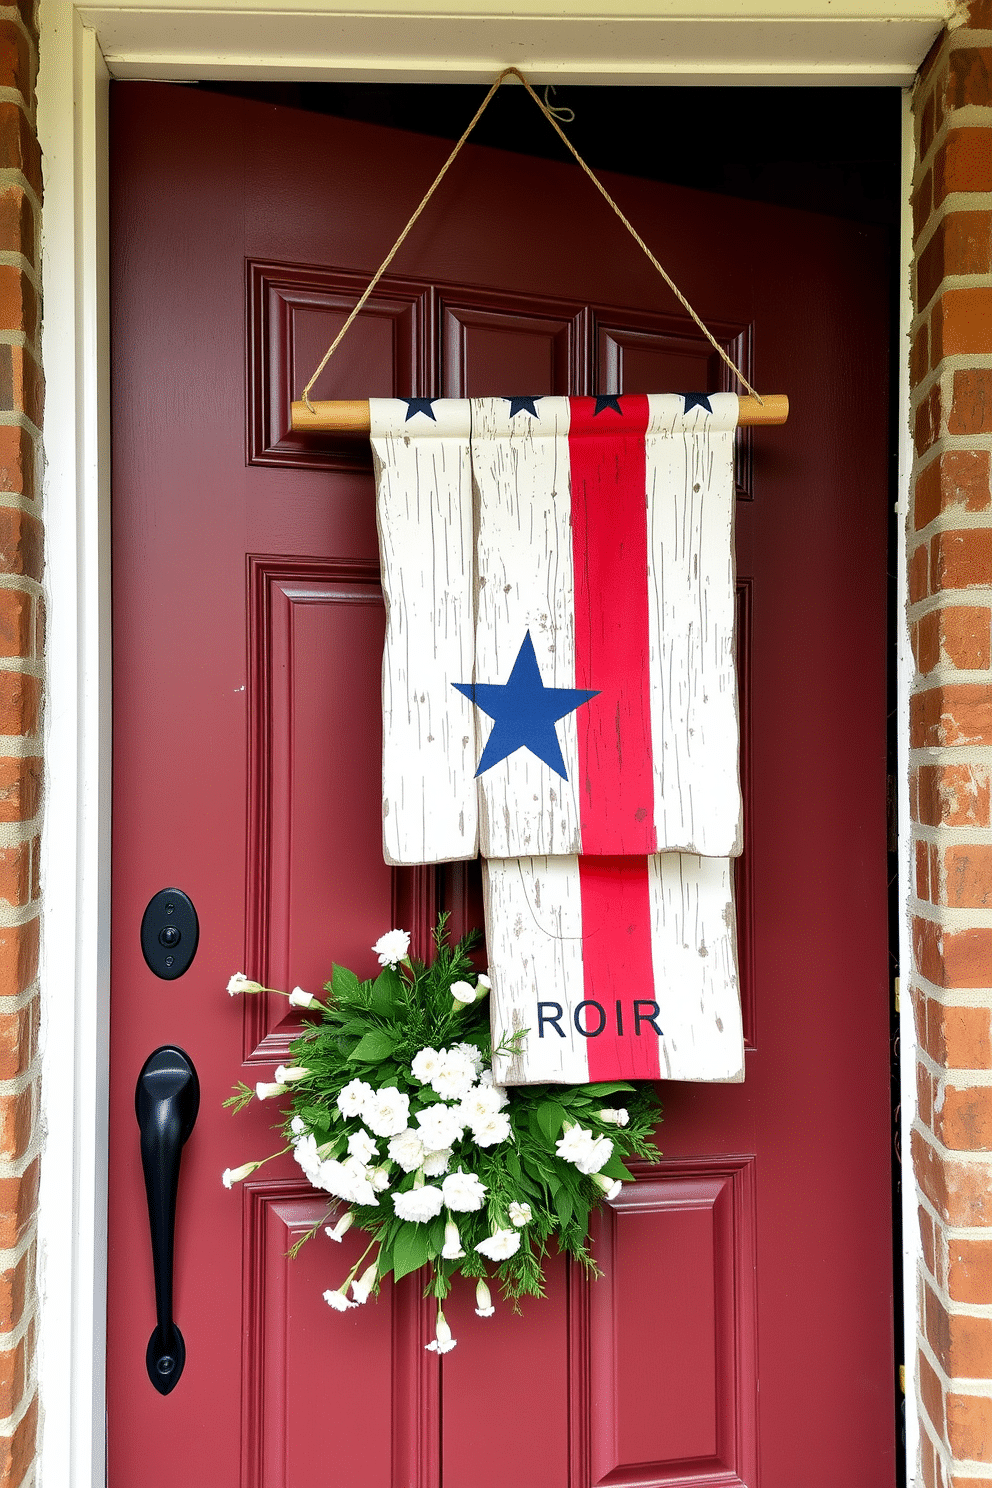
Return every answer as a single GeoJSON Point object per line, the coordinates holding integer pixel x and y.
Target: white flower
{"type": "Point", "coordinates": [486, 1078]}
{"type": "Point", "coordinates": [452, 1249]}
{"type": "Point", "coordinates": [240, 983]}
{"type": "Point", "coordinates": [387, 1112]}
{"type": "Point", "coordinates": [463, 993]}
{"type": "Point", "coordinates": [300, 999]}
{"type": "Point", "coordinates": [610, 1186]}
{"type": "Point", "coordinates": [342, 1227]}
{"type": "Point", "coordinates": [436, 1163]}
{"type": "Point", "coordinates": [483, 1301]}
{"type": "Point", "coordinates": [351, 1100]}
{"type": "Point", "coordinates": [520, 1214]}
{"type": "Point", "coordinates": [425, 1065]}
{"type": "Point", "coordinates": [298, 1126]}
{"type": "Point", "coordinates": [500, 1245]}
{"type": "Point", "coordinates": [379, 1178]}
{"type": "Point", "coordinates": [419, 1204]}
{"type": "Point", "coordinates": [266, 1089]}
{"type": "Point", "coordinates": [346, 1180]}
{"type": "Point", "coordinates": [338, 1300]}
{"type": "Point", "coordinates": [235, 1175]}
{"type": "Point", "coordinates": [614, 1115]}
{"type": "Point", "coordinates": [439, 1127]}
{"type": "Point", "coordinates": [483, 981]}
{"type": "Point", "coordinates": [357, 1174]}
{"type": "Point", "coordinates": [408, 1150]}
{"type": "Point", "coordinates": [287, 1073]}
{"type": "Point", "coordinates": [393, 947]}
{"type": "Point", "coordinates": [575, 1144]}
{"type": "Point", "coordinates": [471, 1054]}
{"type": "Point", "coordinates": [360, 1289]}
{"type": "Point", "coordinates": [306, 1154]}
{"type": "Point", "coordinates": [463, 1192]}
{"type": "Point", "coordinates": [361, 1145]}
{"type": "Point", "coordinates": [600, 1152]}
{"type": "Point", "coordinates": [479, 1105]}
{"type": "Point", "coordinates": [455, 1075]}
{"type": "Point", "coordinates": [442, 1343]}
{"type": "Point", "coordinates": [494, 1129]}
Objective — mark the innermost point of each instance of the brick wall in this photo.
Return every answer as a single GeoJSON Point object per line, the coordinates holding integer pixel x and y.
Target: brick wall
{"type": "Point", "coordinates": [950, 615]}
{"type": "Point", "coordinates": [21, 630]}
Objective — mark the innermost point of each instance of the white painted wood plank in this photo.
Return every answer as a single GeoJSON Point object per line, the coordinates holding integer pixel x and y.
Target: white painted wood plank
{"type": "Point", "coordinates": [525, 583]}
{"type": "Point", "coordinates": [424, 512]}
{"type": "Point", "coordinates": [533, 914]}
{"type": "Point", "coordinates": [694, 950]}
{"type": "Point", "coordinates": [690, 496]}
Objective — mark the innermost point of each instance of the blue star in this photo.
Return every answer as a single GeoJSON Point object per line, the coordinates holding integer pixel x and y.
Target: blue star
{"type": "Point", "coordinates": [697, 400]}
{"type": "Point", "coordinates": [418, 405]}
{"type": "Point", "coordinates": [524, 712]}
{"type": "Point", "coordinates": [523, 405]}
{"type": "Point", "coordinates": [608, 400]}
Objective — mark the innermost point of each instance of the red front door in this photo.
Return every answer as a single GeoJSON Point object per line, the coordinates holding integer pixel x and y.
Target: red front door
{"type": "Point", "coordinates": [743, 1330]}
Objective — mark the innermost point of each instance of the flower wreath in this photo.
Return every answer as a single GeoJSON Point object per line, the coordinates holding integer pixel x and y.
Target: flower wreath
{"type": "Point", "coordinates": [392, 1110]}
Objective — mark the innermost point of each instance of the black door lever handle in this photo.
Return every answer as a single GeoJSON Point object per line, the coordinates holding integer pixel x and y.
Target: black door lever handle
{"type": "Point", "coordinates": [166, 1101]}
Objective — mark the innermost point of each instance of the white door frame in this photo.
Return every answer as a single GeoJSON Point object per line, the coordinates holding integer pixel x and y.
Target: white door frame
{"type": "Point", "coordinates": [785, 42]}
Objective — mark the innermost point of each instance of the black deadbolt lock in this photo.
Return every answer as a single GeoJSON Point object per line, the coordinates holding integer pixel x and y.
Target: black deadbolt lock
{"type": "Point", "coordinates": [170, 931]}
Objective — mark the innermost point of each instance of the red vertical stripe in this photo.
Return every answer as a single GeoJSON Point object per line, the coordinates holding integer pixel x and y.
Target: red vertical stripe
{"type": "Point", "coordinates": [617, 966]}
{"type": "Point", "coordinates": [610, 551]}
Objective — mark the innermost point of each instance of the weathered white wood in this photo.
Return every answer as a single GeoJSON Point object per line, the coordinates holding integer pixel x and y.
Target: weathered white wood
{"type": "Point", "coordinates": [520, 469]}
{"type": "Point", "coordinates": [533, 912]}
{"type": "Point", "coordinates": [424, 512]}
{"type": "Point", "coordinates": [534, 936]}
{"type": "Point", "coordinates": [694, 949]}
{"type": "Point", "coordinates": [690, 510]}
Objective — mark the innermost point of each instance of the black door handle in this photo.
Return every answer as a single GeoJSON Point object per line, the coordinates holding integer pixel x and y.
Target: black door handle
{"type": "Point", "coordinates": [166, 1101]}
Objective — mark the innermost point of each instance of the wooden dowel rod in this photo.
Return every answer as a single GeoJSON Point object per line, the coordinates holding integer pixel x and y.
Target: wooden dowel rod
{"type": "Point", "coordinates": [351, 415]}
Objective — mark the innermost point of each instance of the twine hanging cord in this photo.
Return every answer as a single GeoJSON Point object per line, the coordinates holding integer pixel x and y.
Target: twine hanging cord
{"type": "Point", "coordinates": [549, 114]}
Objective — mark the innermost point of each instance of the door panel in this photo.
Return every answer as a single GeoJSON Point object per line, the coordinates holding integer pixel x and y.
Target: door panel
{"type": "Point", "coordinates": [741, 1332]}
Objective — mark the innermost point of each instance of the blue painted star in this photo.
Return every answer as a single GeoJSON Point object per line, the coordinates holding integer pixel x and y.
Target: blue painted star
{"type": "Point", "coordinates": [524, 712]}
{"type": "Point", "coordinates": [608, 400]}
{"type": "Point", "coordinates": [523, 405]}
{"type": "Point", "coordinates": [419, 405]}
{"type": "Point", "coordinates": [697, 400]}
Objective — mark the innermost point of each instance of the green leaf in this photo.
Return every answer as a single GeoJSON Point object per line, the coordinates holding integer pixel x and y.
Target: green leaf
{"type": "Point", "coordinates": [409, 1250]}
{"type": "Point", "coordinates": [344, 983]}
{"type": "Point", "coordinates": [615, 1169]}
{"type": "Point", "coordinates": [385, 990]}
{"type": "Point", "coordinates": [551, 1116]}
{"type": "Point", "coordinates": [513, 1164]}
{"type": "Point", "coordinates": [376, 1045]}
{"type": "Point", "coordinates": [564, 1205]}
{"type": "Point", "coordinates": [609, 1088]}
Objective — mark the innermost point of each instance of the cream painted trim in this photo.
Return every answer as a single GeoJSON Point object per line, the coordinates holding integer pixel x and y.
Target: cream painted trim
{"type": "Point", "coordinates": [764, 42]}
{"type": "Point", "coordinates": [72, 122]}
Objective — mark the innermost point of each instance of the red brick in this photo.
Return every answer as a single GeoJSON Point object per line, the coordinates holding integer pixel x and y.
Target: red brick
{"type": "Point", "coordinates": [961, 1035]}
{"type": "Point", "coordinates": [20, 788]}
{"type": "Point", "coordinates": [16, 1124]}
{"type": "Point", "coordinates": [926, 125]}
{"type": "Point", "coordinates": [963, 162]}
{"type": "Point", "coordinates": [969, 1427]}
{"type": "Point", "coordinates": [18, 957]}
{"type": "Point", "coordinates": [959, 560]}
{"type": "Point", "coordinates": [20, 704]}
{"type": "Point", "coordinates": [965, 637]}
{"type": "Point", "coordinates": [18, 1040]}
{"type": "Point", "coordinates": [964, 1124]}
{"type": "Point", "coordinates": [19, 146]}
{"type": "Point", "coordinates": [927, 1462]}
{"type": "Point", "coordinates": [980, 15]}
{"type": "Point", "coordinates": [17, 1450]}
{"type": "Point", "coordinates": [17, 233]}
{"type": "Point", "coordinates": [21, 543]}
{"type": "Point", "coordinates": [926, 1238]}
{"type": "Point", "coordinates": [17, 627]}
{"type": "Point", "coordinates": [17, 461]}
{"type": "Point", "coordinates": [13, 1290]}
{"type": "Point", "coordinates": [958, 713]}
{"type": "Point", "coordinates": [923, 870]}
{"type": "Point", "coordinates": [969, 77]}
{"type": "Point", "coordinates": [957, 480]}
{"type": "Point", "coordinates": [919, 356]}
{"type": "Point", "coordinates": [926, 425]}
{"type": "Point", "coordinates": [950, 958]}
{"type": "Point", "coordinates": [18, 301]}
{"type": "Point", "coordinates": [932, 1393]}
{"type": "Point", "coordinates": [919, 574]}
{"type": "Point", "coordinates": [924, 1095]}
{"type": "Point", "coordinates": [11, 1378]}
{"type": "Point", "coordinates": [962, 318]}
{"type": "Point", "coordinates": [967, 875]}
{"type": "Point", "coordinates": [18, 1202]}
{"type": "Point", "coordinates": [922, 204]}
{"type": "Point", "coordinates": [961, 244]}
{"type": "Point", "coordinates": [969, 1271]}
{"type": "Point", "coordinates": [953, 795]}
{"type": "Point", "coordinates": [971, 402]}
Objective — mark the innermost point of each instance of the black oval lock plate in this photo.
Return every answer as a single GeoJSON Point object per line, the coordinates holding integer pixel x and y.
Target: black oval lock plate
{"type": "Point", "coordinates": [170, 932]}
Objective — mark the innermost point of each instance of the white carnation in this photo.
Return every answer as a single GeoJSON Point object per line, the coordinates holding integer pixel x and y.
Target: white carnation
{"type": "Point", "coordinates": [393, 947]}
{"type": "Point", "coordinates": [455, 1075]}
{"type": "Point", "coordinates": [298, 1126]}
{"type": "Point", "coordinates": [408, 1150]}
{"type": "Point", "coordinates": [471, 1054]}
{"type": "Point", "coordinates": [463, 1192]}
{"type": "Point", "coordinates": [436, 1163]}
{"type": "Point", "coordinates": [500, 1246]}
{"type": "Point", "coordinates": [361, 1145]}
{"type": "Point", "coordinates": [494, 1129]}
{"type": "Point", "coordinates": [351, 1100]}
{"type": "Point", "coordinates": [439, 1127]}
{"type": "Point", "coordinates": [379, 1178]}
{"type": "Point", "coordinates": [424, 1065]}
{"type": "Point", "coordinates": [338, 1301]}
{"type": "Point", "coordinates": [520, 1214]}
{"type": "Point", "coordinates": [386, 1112]}
{"type": "Point", "coordinates": [479, 1104]}
{"type": "Point", "coordinates": [575, 1145]}
{"type": "Point", "coordinates": [600, 1152]}
{"type": "Point", "coordinates": [486, 1078]}
{"type": "Point", "coordinates": [306, 1154]}
{"type": "Point", "coordinates": [418, 1204]}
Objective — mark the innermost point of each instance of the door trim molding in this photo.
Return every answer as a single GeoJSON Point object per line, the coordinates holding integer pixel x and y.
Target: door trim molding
{"type": "Point", "coordinates": [863, 43]}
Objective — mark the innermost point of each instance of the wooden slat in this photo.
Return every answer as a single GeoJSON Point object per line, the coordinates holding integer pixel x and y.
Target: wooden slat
{"type": "Point", "coordinates": [351, 415]}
